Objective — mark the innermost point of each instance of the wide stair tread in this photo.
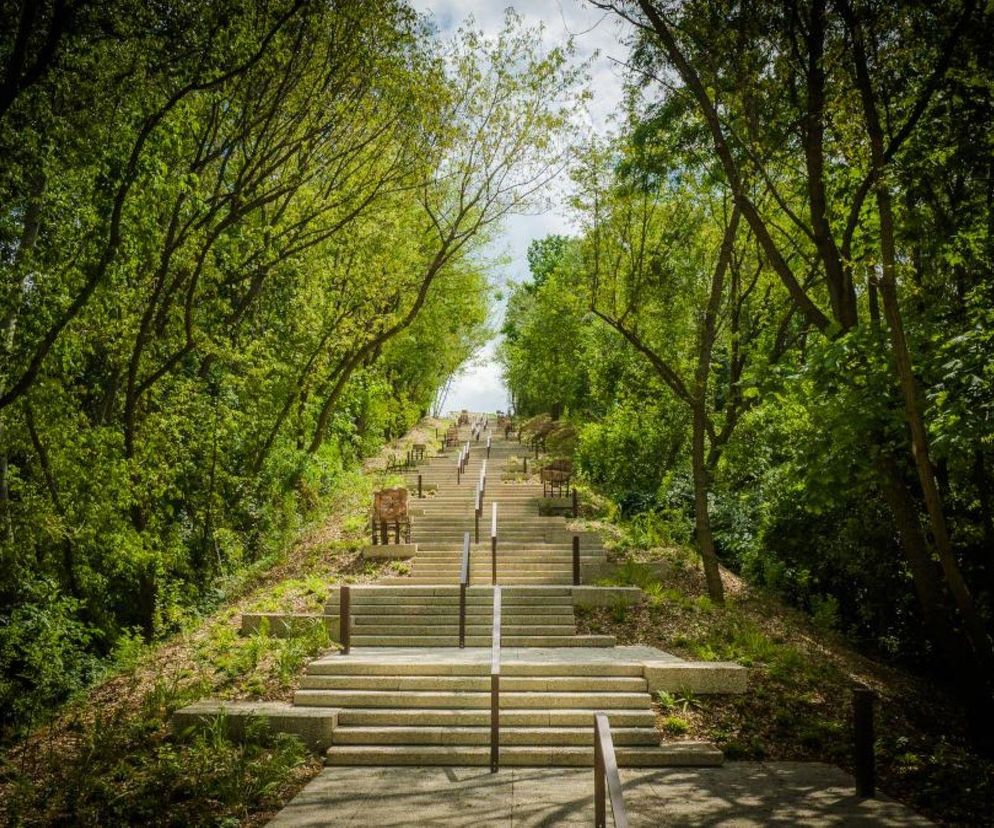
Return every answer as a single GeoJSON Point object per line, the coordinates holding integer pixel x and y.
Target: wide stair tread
{"type": "Point", "coordinates": [676, 754]}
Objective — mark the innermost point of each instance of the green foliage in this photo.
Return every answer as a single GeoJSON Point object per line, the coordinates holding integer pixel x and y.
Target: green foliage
{"type": "Point", "coordinates": [675, 726]}
{"type": "Point", "coordinates": [683, 702]}
{"type": "Point", "coordinates": [242, 259]}
{"type": "Point", "coordinates": [133, 771]}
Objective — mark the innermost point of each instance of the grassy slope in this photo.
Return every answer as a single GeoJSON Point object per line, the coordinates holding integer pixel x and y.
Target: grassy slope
{"type": "Point", "coordinates": [798, 705]}
{"type": "Point", "coordinates": [109, 758]}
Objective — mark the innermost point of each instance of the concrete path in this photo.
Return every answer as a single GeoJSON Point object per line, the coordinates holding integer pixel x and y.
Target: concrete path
{"type": "Point", "coordinates": [737, 794]}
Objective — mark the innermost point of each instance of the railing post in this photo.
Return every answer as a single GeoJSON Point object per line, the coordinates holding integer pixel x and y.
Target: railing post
{"type": "Point", "coordinates": [576, 505]}
{"type": "Point", "coordinates": [345, 618]}
{"type": "Point", "coordinates": [493, 547]}
{"type": "Point", "coordinates": [463, 581]}
{"type": "Point", "coordinates": [489, 442]}
{"type": "Point", "coordinates": [495, 686]}
{"type": "Point", "coordinates": [419, 487]}
{"type": "Point", "coordinates": [477, 512]}
{"type": "Point", "coordinates": [576, 560]}
{"type": "Point", "coordinates": [606, 778]}
{"type": "Point", "coordinates": [526, 464]}
{"type": "Point", "coordinates": [600, 810]}
{"type": "Point", "coordinates": [863, 759]}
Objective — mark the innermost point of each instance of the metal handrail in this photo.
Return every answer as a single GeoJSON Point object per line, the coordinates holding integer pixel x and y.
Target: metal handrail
{"type": "Point", "coordinates": [463, 583]}
{"type": "Point", "coordinates": [478, 511]}
{"type": "Point", "coordinates": [606, 770]}
{"type": "Point", "coordinates": [576, 560]}
{"type": "Point", "coordinates": [493, 546]}
{"type": "Point", "coordinates": [495, 686]}
{"type": "Point", "coordinates": [345, 618]}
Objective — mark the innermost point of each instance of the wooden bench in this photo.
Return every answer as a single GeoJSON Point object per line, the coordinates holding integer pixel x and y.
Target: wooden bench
{"type": "Point", "coordinates": [556, 477]}
{"type": "Point", "coordinates": [452, 436]}
{"type": "Point", "coordinates": [390, 512]}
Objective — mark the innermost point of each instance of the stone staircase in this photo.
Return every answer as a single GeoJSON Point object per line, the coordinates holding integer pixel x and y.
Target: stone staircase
{"type": "Point", "coordinates": [531, 549]}
{"type": "Point", "coordinates": [419, 616]}
{"type": "Point", "coordinates": [424, 712]}
{"type": "Point", "coordinates": [408, 695]}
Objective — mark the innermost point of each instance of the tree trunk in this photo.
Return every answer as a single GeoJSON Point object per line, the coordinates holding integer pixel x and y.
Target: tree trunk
{"type": "Point", "coordinates": [147, 594]}
{"type": "Point", "coordinates": [982, 482]}
{"type": "Point", "coordinates": [936, 612]}
{"type": "Point", "coordinates": [702, 519]}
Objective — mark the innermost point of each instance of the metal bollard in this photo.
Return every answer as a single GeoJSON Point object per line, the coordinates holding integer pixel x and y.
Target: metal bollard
{"type": "Point", "coordinates": [576, 560]}
{"type": "Point", "coordinates": [345, 618]}
{"type": "Point", "coordinates": [863, 758]}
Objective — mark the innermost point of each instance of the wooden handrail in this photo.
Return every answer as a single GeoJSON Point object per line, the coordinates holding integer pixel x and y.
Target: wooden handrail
{"type": "Point", "coordinates": [463, 583]}
{"type": "Point", "coordinates": [606, 770]}
{"type": "Point", "coordinates": [495, 686]}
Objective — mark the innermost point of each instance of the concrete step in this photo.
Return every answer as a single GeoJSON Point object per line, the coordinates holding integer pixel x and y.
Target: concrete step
{"type": "Point", "coordinates": [505, 577]}
{"type": "Point", "coordinates": [535, 736]}
{"type": "Point", "coordinates": [478, 683]}
{"type": "Point", "coordinates": [555, 614]}
{"type": "Point", "coordinates": [470, 700]}
{"type": "Point", "coordinates": [483, 640]}
{"type": "Point", "coordinates": [475, 619]}
{"type": "Point", "coordinates": [506, 567]}
{"type": "Point", "coordinates": [377, 628]}
{"type": "Point", "coordinates": [520, 603]}
{"type": "Point", "coordinates": [676, 754]}
{"type": "Point", "coordinates": [448, 604]}
{"type": "Point", "coordinates": [539, 551]}
{"type": "Point", "coordinates": [450, 717]}
{"type": "Point", "coordinates": [477, 580]}
{"type": "Point", "coordinates": [346, 665]}
{"type": "Point", "coordinates": [365, 591]}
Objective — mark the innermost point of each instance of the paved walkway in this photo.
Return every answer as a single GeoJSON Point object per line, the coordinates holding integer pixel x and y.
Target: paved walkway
{"type": "Point", "coordinates": [737, 794]}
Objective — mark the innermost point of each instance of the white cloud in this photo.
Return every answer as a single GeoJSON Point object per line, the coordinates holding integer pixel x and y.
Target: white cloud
{"type": "Point", "coordinates": [597, 38]}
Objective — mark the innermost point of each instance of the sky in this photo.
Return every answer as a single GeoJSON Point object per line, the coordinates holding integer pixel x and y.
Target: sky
{"type": "Point", "coordinates": [596, 35]}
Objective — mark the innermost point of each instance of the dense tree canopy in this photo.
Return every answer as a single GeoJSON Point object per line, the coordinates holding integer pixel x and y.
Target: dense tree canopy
{"type": "Point", "coordinates": [791, 243]}
{"type": "Point", "coordinates": [237, 250]}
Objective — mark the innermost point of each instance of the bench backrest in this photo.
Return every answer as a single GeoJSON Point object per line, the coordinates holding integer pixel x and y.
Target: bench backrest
{"type": "Point", "coordinates": [390, 505]}
{"type": "Point", "coordinates": [558, 471]}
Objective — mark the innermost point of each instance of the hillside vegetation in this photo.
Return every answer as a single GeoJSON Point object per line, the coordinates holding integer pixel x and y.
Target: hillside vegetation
{"type": "Point", "coordinates": [239, 248]}
{"type": "Point", "coordinates": [771, 334]}
{"type": "Point", "coordinates": [802, 671]}
{"type": "Point", "coordinates": [110, 757]}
